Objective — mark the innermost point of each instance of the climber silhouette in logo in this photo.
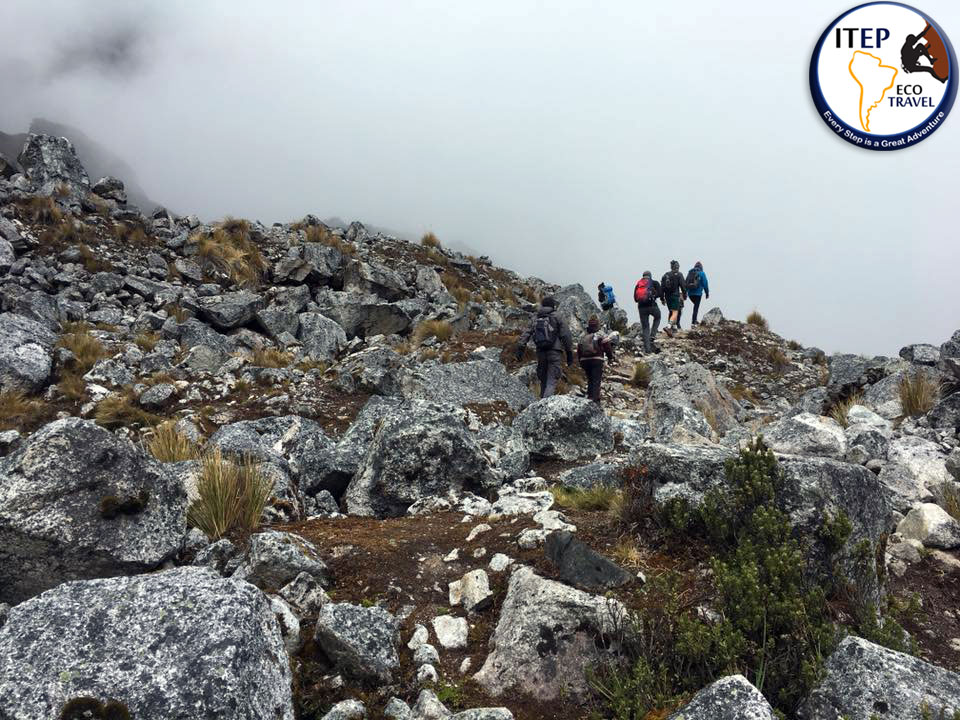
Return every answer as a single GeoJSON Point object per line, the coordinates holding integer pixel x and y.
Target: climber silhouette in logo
{"type": "Point", "coordinates": [925, 45]}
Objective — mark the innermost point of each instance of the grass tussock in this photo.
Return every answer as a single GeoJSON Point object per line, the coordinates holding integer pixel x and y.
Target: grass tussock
{"type": "Point", "coordinates": [92, 262]}
{"type": "Point", "coordinates": [19, 410]}
{"type": "Point", "coordinates": [65, 234]}
{"type": "Point", "coordinates": [167, 444]}
{"type": "Point", "coordinates": [949, 499]}
{"type": "Point", "coordinates": [741, 392]}
{"type": "Point", "coordinates": [595, 499]}
{"type": "Point", "coordinates": [779, 361]}
{"type": "Point", "coordinates": [177, 312]}
{"type": "Point", "coordinates": [133, 235]}
{"type": "Point", "coordinates": [429, 240]}
{"type": "Point", "coordinates": [270, 358]}
{"type": "Point", "coordinates": [322, 235]}
{"type": "Point", "coordinates": [147, 340]}
{"type": "Point", "coordinates": [72, 386]}
{"type": "Point", "coordinates": [229, 251]}
{"type": "Point", "coordinates": [439, 329]}
{"type": "Point", "coordinates": [120, 409]}
{"type": "Point", "coordinates": [308, 364]}
{"type": "Point", "coordinates": [918, 394]}
{"type": "Point", "coordinates": [757, 320]}
{"type": "Point", "coordinates": [86, 348]}
{"type": "Point", "coordinates": [41, 210]}
{"type": "Point", "coordinates": [641, 375]}
{"type": "Point", "coordinates": [841, 408]}
{"type": "Point", "coordinates": [231, 496]}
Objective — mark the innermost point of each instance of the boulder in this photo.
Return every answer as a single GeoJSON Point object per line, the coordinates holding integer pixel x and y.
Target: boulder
{"type": "Point", "coordinates": [946, 413]}
{"type": "Point", "coordinates": [883, 397]}
{"type": "Point", "coordinates": [360, 642]}
{"type": "Point", "coordinates": [863, 680]}
{"type": "Point", "coordinates": [581, 566]}
{"type": "Point", "coordinates": [275, 559]}
{"type": "Point", "coordinates": [49, 161]}
{"type": "Point", "coordinates": [869, 431]}
{"type": "Point", "coordinates": [375, 279]}
{"type": "Point", "coordinates": [76, 502]}
{"type": "Point", "coordinates": [807, 434]}
{"type": "Point", "coordinates": [8, 168]}
{"type": "Point", "coordinates": [481, 382]}
{"type": "Point", "coordinates": [575, 306]}
{"type": "Point", "coordinates": [278, 319]}
{"type": "Point", "coordinates": [950, 356]}
{"type": "Point", "coordinates": [849, 373]}
{"type": "Point", "coordinates": [110, 188]}
{"type": "Point", "coordinates": [714, 316]}
{"type": "Point", "coordinates": [564, 427]}
{"type": "Point", "coordinates": [815, 401]}
{"type": "Point", "coordinates": [376, 370]}
{"type": "Point", "coordinates": [915, 470]}
{"type": "Point", "coordinates": [7, 254]}
{"type": "Point", "coordinates": [366, 315]}
{"type": "Point", "coordinates": [932, 525]}
{"type": "Point", "coordinates": [545, 638]}
{"type": "Point", "coordinates": [269, 439]}
{"type": "Point", "coordinates": [592, 475]}
{"type": "Point", "coordinates": [229, 310]}
{"type": "Point", "coordinates": [346, 710]}
{"type": "Point", "coordinates": [688, 397]}
{"type": "Point", "coordinates": [26, 348]}
{"type": "Point", "coordinates": [418, 450]}
{"type": "Point", "coordinates": [183, 643]}
{"type": "Point", "coordinates": [322, 338]}
{"type": "Point", "coordinates": [730, 698]}
{"type": "Point", "coordinates": [451, 631]}
{"type": "Point", "coordinates": [921, 354]}
{"type": "Point", "coordinates": [38, 305]}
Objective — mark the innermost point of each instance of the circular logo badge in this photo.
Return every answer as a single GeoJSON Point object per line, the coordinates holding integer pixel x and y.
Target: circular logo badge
{"type": "Point", "coordinates": [884, 76]}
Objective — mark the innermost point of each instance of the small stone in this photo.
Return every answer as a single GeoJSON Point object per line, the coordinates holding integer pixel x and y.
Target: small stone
{"type": "Point", "coordinates": [531, 538]}
{"type": "Point", "coordinates": [451, 631]}
{"type": "Point", "coordinates": [420, 637]}
{"type": "Point", "coordinates": [479, 552]}
{"type": "Point", "coordinates": [475, 589]}
{"type": "Point", "coordinates": [427, 674]}
{"type": "Point", "coordinates": [481, 528]}
{"type": "Point", "coordinates": [346, 710]}
{"type": "Point", "coordinates": [426, 654]}
{"type": "Point", "coordinates": [465, 665]}
{"type": "Point", "coordinates": [455, 593]}
{"type": "Point", "coordinates": [500, 562]}
{"type": "Point", "coordinates": [452, 556]}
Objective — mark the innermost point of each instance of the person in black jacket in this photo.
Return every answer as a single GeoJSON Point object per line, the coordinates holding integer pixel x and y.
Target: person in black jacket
{"type": "Point", "coordinates": [674, 293]}
{"type": "Point", "coordinates": [647, 307]}
{"type": "Point", "coordinates": [552, 337]}
{"type": "Point", "coordinates": [590, 352]}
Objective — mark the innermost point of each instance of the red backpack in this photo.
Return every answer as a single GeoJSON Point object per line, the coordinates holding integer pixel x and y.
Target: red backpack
{"type": "Point", "coordinates": [643, 292]}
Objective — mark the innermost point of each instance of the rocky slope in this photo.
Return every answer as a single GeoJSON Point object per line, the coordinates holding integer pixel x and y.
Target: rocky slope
{"type": "Point", "coordinates": [436, 543]}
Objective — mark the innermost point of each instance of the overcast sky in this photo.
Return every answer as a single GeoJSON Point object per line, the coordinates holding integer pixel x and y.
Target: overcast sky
{"type": "Point", "coordinates": [564, 140]}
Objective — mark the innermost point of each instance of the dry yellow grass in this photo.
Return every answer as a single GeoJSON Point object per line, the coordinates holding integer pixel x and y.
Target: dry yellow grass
{"type": "Point", "coordinates": [641, 375]}
{"type": "Point", "coordinates": [918, 394]}
{"type": "Point", "coordinates": [841, 408]}
{"type": "Point", "coordinates": [177, 313]}
{"type": "Point", "coordinates": [742, 392]}
{"type": "Point", "coordinates": [430, 240]}
{"type": "Point", "coordinates": [322, 235]}
{"type": "Point", "coordinates": [166, 444]}
{"type": "Point", "coordinates": [147, 340]}
{"type": "Point", "coordinates": [86, 348]}
{"type": "Point", "coordinates": [757, 320]}
{"type": "Point", "coordinates": [41, 210]}
{"type": "Point", "coordinates": [229, 251]}
{"type": "Point", "coordinates": [599, 498]}
{"type": "Point", "coordinates": [19, 411]}
{"type": "Point", "coordinates": [72, 386]}
{"type": "Point", "coordinates": [132, 235]}
{"type": "Point", "coordinates": [120, 409]}
{"type": "Point", "coordinates": [270, 358]}
{"type": "Point", "coordinates": [439, 329]}
{"type": "Point", "coordinates": [231, 496]}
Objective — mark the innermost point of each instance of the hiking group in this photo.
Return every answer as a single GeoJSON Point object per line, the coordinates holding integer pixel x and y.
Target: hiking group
{"type": "Point", "coordinates": [554, 343]}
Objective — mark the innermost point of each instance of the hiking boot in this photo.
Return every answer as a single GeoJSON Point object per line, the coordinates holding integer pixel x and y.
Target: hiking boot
{"type": "Point", "coordinates": [669, 331]}
{"type": "Point", "coordinates": [656, 349]}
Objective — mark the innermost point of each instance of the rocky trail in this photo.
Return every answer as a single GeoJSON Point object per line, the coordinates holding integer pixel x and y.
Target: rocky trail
{"type": "Point", "coordinates": [297, 471]}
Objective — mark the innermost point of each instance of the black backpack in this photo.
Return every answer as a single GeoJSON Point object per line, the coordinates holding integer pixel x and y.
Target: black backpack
{"type": "Point", "coordinates": [693, 279]}
{"type": "Point", "coordinates": [545, 332]}
{"type": "Point", "coordinates": [670, 284]}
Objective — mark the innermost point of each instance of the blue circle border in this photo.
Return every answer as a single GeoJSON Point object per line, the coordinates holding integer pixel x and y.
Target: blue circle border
{"type": "Point", "coordinates": [859, 138]}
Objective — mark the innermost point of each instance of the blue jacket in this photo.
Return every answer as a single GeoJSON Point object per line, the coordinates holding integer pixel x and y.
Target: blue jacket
{"type": "Point", "coordinates": [704, 286]}
{"type": "Point", "coordinates": [608, 294]}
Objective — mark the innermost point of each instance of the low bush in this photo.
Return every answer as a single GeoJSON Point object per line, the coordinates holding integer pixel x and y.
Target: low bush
{"type": "Point", "coordinates": [757, 320]}
{"type": "Point", "coordinates": [231, 496]}
{"type": "Point", "coordinates": [599, 498]}
{"type": "Point", "coordinates": [430, 240]}
{"type": "Point", "coordinates": [918, 394]}
{"type": "Point", "coordinates": [167, 444]}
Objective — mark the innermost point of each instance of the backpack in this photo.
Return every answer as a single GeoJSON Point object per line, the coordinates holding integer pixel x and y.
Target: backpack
{"type": "Point", "coordinates": [545, 332]}
{"type": "Point", "coordinates": [670, 284]}
{"type": "Point", "coordinates": [608, 294]}
{"type": "Point", "coordinates": [588, 346]}
{"type": "Point", "coordinates": [643, 292]}
{"type": "Point", "coordinates": [693, 279]}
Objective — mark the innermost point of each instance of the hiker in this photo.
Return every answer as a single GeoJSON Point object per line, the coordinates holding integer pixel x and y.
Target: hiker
{"type": "Point", "coordinates": [605, 296]}
{"type": "Point", "coordinates": [552, 338]}
{"type": "Point", "coordinates": [674, 293]}
{"type": "Point", "coordinates": [646, 294]}
{"type": "Point", "coordinates": [590, 351]}
{"type": "Point", "coordinates": [697, 286]}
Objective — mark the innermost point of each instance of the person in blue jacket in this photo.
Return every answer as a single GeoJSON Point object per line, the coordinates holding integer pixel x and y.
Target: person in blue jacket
{"type": "Point", "coordinates": [605, 296]}
{"type": "Point", "coordinates": [697, 287]}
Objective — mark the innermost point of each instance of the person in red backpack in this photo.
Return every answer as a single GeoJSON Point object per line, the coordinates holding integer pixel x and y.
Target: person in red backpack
{"type": "Point", "coordinates": [590, 353]}
{"type": "Point", "coordinates": [646, 294]}
{"type": "Point", "coordinates": [552, 337]}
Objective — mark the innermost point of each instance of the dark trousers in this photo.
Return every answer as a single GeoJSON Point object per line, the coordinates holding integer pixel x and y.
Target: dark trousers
{"type": "Point", "coordinates": [647, 312]}
{"type": "Point", "coordinates": [593, 369]}
{"type": "Point", "coordinates": [549, 370]}
{"type": "Point", "coordinates": [695, 299]}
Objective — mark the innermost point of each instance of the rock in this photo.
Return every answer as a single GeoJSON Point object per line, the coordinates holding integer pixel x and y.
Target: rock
{"type": "Point", "coordinates": [545, 638]}
{"type": "Point", "coordinates": [7, 255]}
{"type": "Point", "coordinates": [848, 373]}
{"type": "Point", "coordinates": [946, 413]}
{"type": "Point", "coordinates": [475, 591]}
{"type": "Point", "coordinates": [581, 566]}
{"type": "Point", "coordinates": [110, 188]}
{"type": "Point", "coordinates": [421, 636]}
{"type": "Point", "coordinates": [7, 167]}
{"type": "Point", "coordinates": [952, 464]}
{"type": "Point", "coordinates": [183, 643]}
{"type": "Point", "coordinates": [288, 622]}
{"type": "Point", "coordinates": [365, 315]}
{"type": "Point", "coordinates": [921, 354]}
{"type": "Point", "coordinates": [157, 396]}
{"type": "Point", "coordinates": [950, 356]}
{"type": "Point", "coordinates": [814, 401]}
{"type": "Point", "coordinates": [346, 710]}
{"type": "Point", "coordinates": [26, 349]}
{"type": "Point", "coordinates": [277, 320]}
{"type": "Point", "coordinates": [686, 396]}
{"type": "Point", "coordinates": [884, 396]}
{"type": "Point", "coordinates": [575, 306]}
{"type": "Point", "coordinates": [76, 503]}
{"type": "Point", "coordinates": [862, 679]}
{"type": "Point", "coordinates": [377, 370]}
{"type": "Point", "coordinates": [419, 450]}
{"type": "Point", "coordinates": [322, 338]}
{"type": "Point", "coordinates": [714, 316]}
{"type": "Point", "coordinates": [869, 431]}
{"type": "Point", "coordinates": [500, 713]}
{"type": "Point", "coordinates": [916, 469]}
{"type": "Point", "coordinates": [499, 562]}
{"type": "Point", "coordinates": [807, 434]}
{"type": "Point", "coordinates": [40, 306]}
{"type": "Point", "coordinates": [267, 439]}
{"type": "Point", "coordinates": [229, 310]}
{"type": "Point", "coordinates": [49, 161]}
{"type": "Point", "coordinates": [376, 279]}
{"type": "Point", "coordinates": [360, 642]}
{"type": "Point", "coordinates": [512, 502]}
{"type": "Point", "coordinates": [564, 427]}
{"type": "Point", "coordinates": [482, 382]}
{"type": "Point", "coordinates": [593, 475]}
{"type": "Point", "coordinates": [729, 698]}
{"type": "Point", "coordinates": [189, 269]}
{"type": "Point", "coordinates": [276, 558]}
{"type": "Point", "coordinates": [305, 594]}
{"type": "Point", "coordinates": [932, 525]}
{"type": "Point", "coordinates": [451, 631]}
